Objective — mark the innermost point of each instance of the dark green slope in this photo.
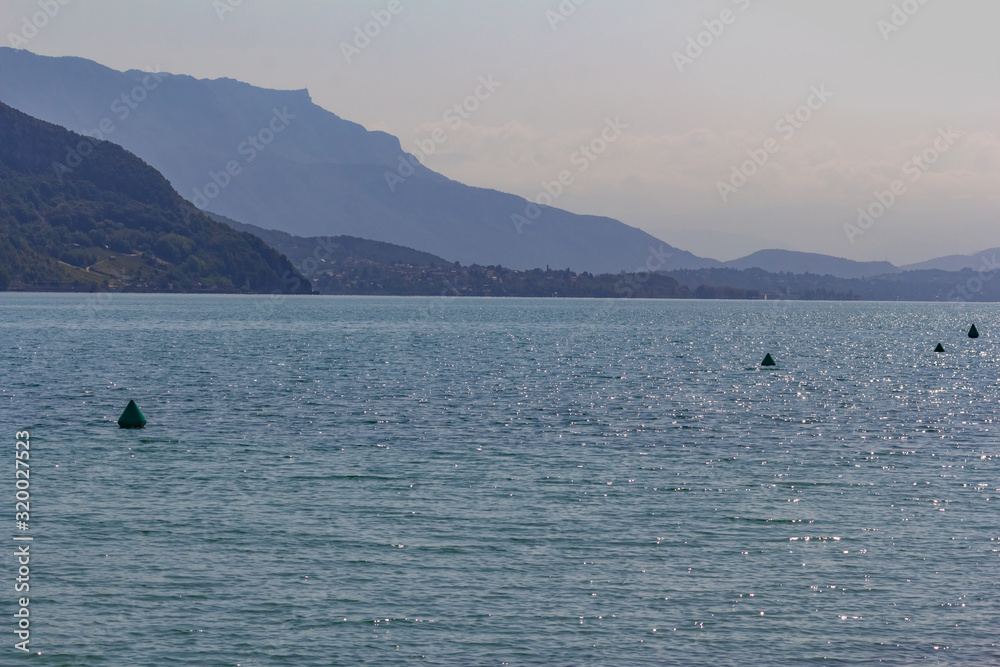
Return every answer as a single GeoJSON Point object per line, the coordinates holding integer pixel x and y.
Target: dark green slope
{"type": "Point", "coordinates": [80, 214]}
{"type": "Point", "coordinates": [322, 176]}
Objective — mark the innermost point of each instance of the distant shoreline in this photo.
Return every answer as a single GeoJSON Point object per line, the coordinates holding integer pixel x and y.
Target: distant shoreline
{"type": "Point", "coordinates": [482, 297]}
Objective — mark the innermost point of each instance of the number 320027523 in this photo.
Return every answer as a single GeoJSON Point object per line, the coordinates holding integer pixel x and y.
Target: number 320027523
{"type": "Point", "coordinates": [22, 474]}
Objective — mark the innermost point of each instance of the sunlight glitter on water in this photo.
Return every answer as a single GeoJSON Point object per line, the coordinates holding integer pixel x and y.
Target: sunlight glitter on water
{"type": "Point", "coordinates": [509, 471]}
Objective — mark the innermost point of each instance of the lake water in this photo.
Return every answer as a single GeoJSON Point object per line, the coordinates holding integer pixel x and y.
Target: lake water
{"type": "Point", "coordinates": [488, 482]}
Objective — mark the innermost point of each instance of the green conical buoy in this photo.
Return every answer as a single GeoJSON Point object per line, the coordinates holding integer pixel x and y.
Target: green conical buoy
{"type": "Point", "coordinates": [939, 348]}
{"type": "Point", "coordinates": [132, 417]}
{"type": "Point", "coordinates": [768, 360]}
{"type": "Point", "coordinates": [973, 332]}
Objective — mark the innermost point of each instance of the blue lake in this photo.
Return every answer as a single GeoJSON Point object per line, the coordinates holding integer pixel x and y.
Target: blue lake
{"type": "Point", "coordinates": [487, 482]}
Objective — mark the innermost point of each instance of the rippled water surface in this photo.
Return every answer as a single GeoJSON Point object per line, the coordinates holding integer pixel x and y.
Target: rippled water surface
{"type": "Point", "coordinates": [485, 482]}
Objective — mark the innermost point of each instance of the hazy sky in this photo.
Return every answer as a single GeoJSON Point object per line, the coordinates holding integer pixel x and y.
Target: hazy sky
{"type": "Point", "coordinates": [886, 79]}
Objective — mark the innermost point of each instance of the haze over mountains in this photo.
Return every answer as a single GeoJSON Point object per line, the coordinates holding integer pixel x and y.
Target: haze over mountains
{"type": "Point", "coordinates": [985, 260]}
{"type": "Point", "coordinates": [275, 160]}
{"type": "Point", "coordinates": [300, 169]}
{"type": "Point", "coordinates": [786, 261]}
{"type": "Point", "coordinates": [111, 221]}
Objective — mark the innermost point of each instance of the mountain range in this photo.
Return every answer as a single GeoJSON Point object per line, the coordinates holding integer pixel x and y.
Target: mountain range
{"type": "Point", "coordinates": [110, 221]}
{"type": "Point", "coordinates": [275, 160]}
{"type": "Point", "coordinates": [346, 265]}
{"type": "Point", "coordinates": [82, 214]}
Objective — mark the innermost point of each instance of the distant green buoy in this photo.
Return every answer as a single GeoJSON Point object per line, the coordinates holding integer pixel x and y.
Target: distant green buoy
{"type": "Point", "coordinates": [132, 417]}
{"type": "Point", "coordinates": [939, 348]}
{"type": "Point", "coordinates": [768, 360]}
{"type": "Point", "coordinates": [973, 332]}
